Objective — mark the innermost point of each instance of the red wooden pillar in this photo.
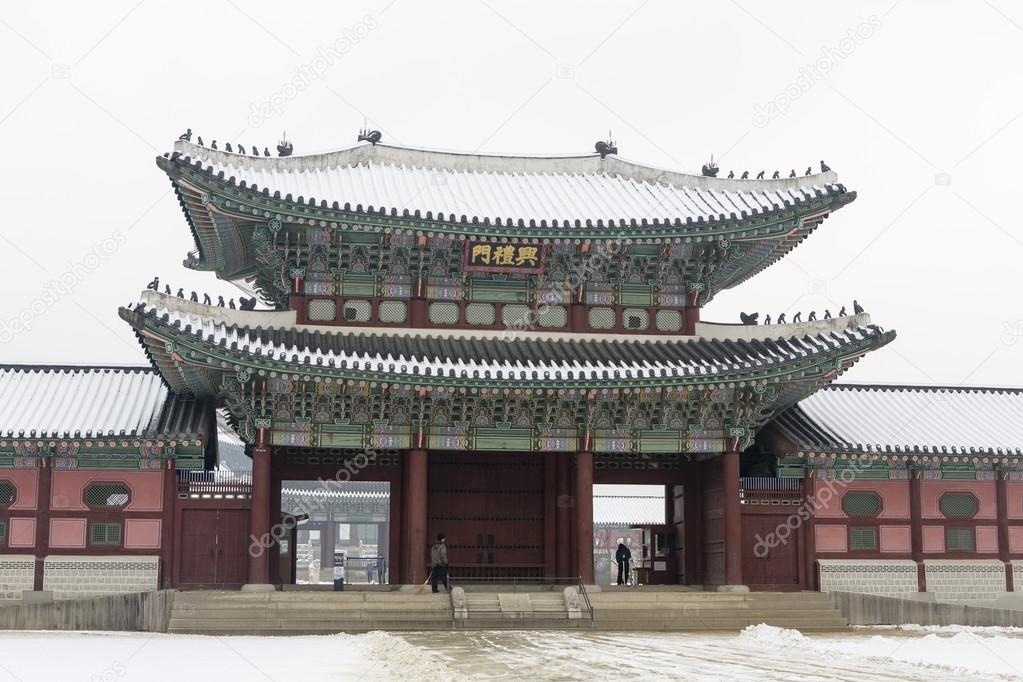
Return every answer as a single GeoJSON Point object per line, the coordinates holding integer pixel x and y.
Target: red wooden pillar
{"type": "Point", "coordinates": [916, 528]}
{"type": "Point", "coordinates": [809, 497]}
{"type": "Point", "coordinates": [415, 504]}
{"type": "Point", "coordinates": [259, 513]}
{"type": "Point", "coordinates": [732, 518]}
{"type": "Point", "coordinates": [170, 494]}
{"type": "Point", "coordinates": [1002, 506]}
{"type": "Point", "coordinates": [563, 518]}
{"type": "Point", "coordinates": [550, 510]}
{"type": "Point", "coordinates": [43, 503]}
{"type": "Point", "coordinates": [692, 524]}
{"type": "Point", "coordinates": [584, 515]}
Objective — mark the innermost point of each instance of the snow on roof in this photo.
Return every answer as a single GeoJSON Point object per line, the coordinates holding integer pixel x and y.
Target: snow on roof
{"type": "Point", "coordinates": [908, 418]}
{"type": "Point", "coordinates": [84, 401]}
{"type": "Point", "coordinates": [566, 188]}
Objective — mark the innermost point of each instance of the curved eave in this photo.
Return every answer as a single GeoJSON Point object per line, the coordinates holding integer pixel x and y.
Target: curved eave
{"type": "Point", "coordinates": [193, 363]}
{"type": "Point", "coordinates": [203, 191]}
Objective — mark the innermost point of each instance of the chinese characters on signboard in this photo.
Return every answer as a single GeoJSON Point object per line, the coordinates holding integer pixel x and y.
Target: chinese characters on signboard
{"type": "Point", "coordinates": [504, 257]}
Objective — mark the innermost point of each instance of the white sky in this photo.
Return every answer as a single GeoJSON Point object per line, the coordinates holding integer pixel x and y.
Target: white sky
{"type": "Point", "coordinates": [923, 117]}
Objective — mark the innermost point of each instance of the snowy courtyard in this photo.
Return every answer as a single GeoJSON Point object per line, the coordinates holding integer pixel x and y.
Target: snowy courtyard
{"type": "Point", "coordinates": [758, 653]}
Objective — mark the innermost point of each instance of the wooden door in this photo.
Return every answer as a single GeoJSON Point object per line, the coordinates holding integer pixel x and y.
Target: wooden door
{"type": "Point", "coordinates": [198, 546]}
{"type": "Point", "coordinates": [214, 546]}
{"type": "Point", "coordinates": [767, 567]}
{"type": "Point", "coordinates": [233, 546]}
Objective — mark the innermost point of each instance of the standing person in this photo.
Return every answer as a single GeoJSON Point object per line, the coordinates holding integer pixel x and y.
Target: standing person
{"type": "Point", "coordinates": [623, 556]}
{"type": "Point", "coordinates": [439, 563]}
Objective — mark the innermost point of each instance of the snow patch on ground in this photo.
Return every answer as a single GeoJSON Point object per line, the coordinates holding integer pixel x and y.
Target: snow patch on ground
{"type": "Point", "coordinates": [770, 635]}
{"type": "Point", "coordinates": [404, 660]}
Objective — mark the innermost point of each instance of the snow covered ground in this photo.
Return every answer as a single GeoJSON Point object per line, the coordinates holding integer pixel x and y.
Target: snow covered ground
{"type": "Point", "coordinates": [759, 653]}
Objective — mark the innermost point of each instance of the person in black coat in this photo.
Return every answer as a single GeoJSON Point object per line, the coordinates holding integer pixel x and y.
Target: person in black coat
{"type": "Point", "coordinates": [623, 556]}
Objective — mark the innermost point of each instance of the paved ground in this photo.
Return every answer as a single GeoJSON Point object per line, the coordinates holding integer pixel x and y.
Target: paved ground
{"type": "Point", "coordinates": [760, 653]}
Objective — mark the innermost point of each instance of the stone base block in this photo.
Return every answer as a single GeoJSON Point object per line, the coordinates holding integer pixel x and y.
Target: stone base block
{"type": "Point", "coordinates": [37, 597]}
{"type": "Point", "coordinates": [883, 577]}
{"type": "Point", "coordinates": [17, 575]}
{"type": "Point", "coordinates": [259, 587]}
{"type": "Point", "coordinates": [733, 588]}
{"type": "Point", "coordinates": [77, 577]}
{"type": "Point", "coordinates": [965, 580]}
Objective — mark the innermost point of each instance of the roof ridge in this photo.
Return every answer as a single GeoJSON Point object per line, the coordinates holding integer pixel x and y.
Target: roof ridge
{"type": "Point", "coordinates": [57, 367]}
{"type": "Point", "coordinates": [437, 159]}
{"type": "Point", "coordinates": [922, 387]}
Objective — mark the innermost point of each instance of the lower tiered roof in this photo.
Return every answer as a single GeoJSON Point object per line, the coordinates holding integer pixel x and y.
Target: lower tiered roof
{"type": "Point", "coordinates": [267, 369]}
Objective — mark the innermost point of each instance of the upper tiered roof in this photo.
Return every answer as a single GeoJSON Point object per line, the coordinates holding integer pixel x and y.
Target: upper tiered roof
{"type": "Point", "coordinates": [565, 191]}
{"type": "Point", "coordinates": [256, 217]}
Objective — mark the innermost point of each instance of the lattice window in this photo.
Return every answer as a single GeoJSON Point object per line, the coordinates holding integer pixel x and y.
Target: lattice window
{"type": "Point", "coordinates": [602, 318]}
{"type": "Point", "coordinates": [7, 493]}
{"type": "Point", "coordinates": [861, 504]}
{"type": "Point", "coordinates": [321, 310]}
{"type": "Point", "coordinates": [444, 313]}
{"type": "Point", "coordinates": [552, 316]}
{"type": "Point", "coordinates": [958, 505]}
{"type": "Point", "coordinates": [3, 533]}
{"type": "Point", "coordinates": [480, 314]}
{"type": "Point", "coordinates": [110, 495]}
{"type": "Point", "coordinates": [104, 533]}
{"type": "Point", "coordinates": [392, 311]}
{"type": "Point", "coordinates": [668, 320]}
{"type": "Point", "coordinates": [358, 311]}
{"type": "Point", "coordinates": [960, 540]}
{"type": "Point", "coordinates": [862, 539]}
{"type": "Point", "coordinates": [515, 315]}
{"type": "Point", "coordinates": [636, 318]}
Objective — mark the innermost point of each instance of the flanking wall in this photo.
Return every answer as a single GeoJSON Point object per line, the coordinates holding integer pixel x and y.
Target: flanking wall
{"type": "Point", "coordinates": [84, 532]}
{"type": "Point", "coordinates": [895, 538]}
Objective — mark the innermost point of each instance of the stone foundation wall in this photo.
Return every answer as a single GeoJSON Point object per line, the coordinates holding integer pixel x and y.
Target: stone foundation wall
{"type": "Point", "coordinates": [958, 580]}
{"type": "Point", "coordinates": [17, 573]}
{"type": "Point", "coordinates": [75, 577]}
{"type": "Point", "coordinates": [888, 578]}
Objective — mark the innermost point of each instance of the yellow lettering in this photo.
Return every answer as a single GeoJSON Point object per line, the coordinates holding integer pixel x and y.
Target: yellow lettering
{"type": "Point", "coordinates": [480, 253]}
{"type": "Point", "coordinates": [527, 255]}
{"type": "Point", "coordinates": [504, 255]}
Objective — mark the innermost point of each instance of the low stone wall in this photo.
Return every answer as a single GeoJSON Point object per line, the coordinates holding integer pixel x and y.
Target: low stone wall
{"type": "Point", "coordinates": [869, 609]}
{"type": "Point", "coordinates": [17, 574]}
{"type": "Point", "coordinates": [139, 612]}
{"type": "Point", "coordinates": [890, 578]}
{"type": "Point", "coordinates": [76, 577]}
{"type": "Point", "coordinates": [965, 579]}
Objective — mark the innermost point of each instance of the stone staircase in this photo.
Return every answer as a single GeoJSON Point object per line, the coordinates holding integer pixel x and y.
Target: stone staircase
{"type": "Point", "coordinates": [632, 609]}
{"type": "Point", "coordinates": [307, 612]}
{"type": "Point", "coordinates": [644, 609]}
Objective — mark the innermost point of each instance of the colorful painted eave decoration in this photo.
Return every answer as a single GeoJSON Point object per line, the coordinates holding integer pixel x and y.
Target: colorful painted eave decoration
{"type": "Point", "coordinates": [251, 385]}
{"type": "Point", "coordinates": [223, 216]}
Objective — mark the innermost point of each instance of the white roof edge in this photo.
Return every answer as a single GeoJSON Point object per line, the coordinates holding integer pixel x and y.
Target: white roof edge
{"type": "Point", "coordinates": [495, 163]}
{"type": "Point", "coordinates": [286, 320]}
{"type": "Point", "coordinates": [762, 332]}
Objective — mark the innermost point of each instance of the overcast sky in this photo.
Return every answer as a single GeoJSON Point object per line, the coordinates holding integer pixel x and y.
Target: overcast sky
{"type": "Point", "coordinates": [918, 105]}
